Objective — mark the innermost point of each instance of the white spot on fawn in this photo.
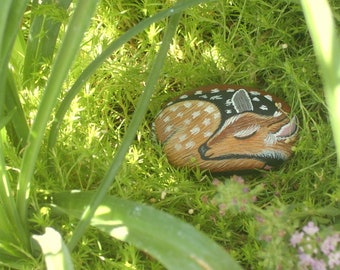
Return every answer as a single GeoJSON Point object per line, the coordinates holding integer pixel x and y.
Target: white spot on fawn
{"type": "Point", "coordinates": [189, 145]}
{"type": "Point", "coordinates": [180, 115]}
{"type": "Point", "coordinates": [229, 90]}
{"type": "Point", "coordinates": [173, 108]}
{"type": "Point", "coordinates": [269, 97]}
{"type": "Point", "coordinates": [216, 97]}
{"type": "Point", "coordinates": [255, 93]}
{"type": "Point", "coordinates": [182, 138]}
{"type": "Point", "coordinates": [168, 129]}
{"type": "Point", "coordinates": [277, 114]}
{"type": "Point", "coordinates": [228, 102]}
{"type": "Point", "coordinates": [207, 134]}
{"type": "Point", "coordinates": [183, 97]}
{"type": "Point", "coordinates": [255, 99]}
{"type": "Point", "coordinates": [209, 109]}
{"type": "Point", "coordinates": [166, 119]}
{"type": "Point", "coordinates": [216, 115]}
{"type": "Point", "coordinates": [200, 104]}
{"type": "Point", "coordinates": [178, 146]}
{"type": "Point", "coordinates": [264, 108]}
{"type": "Point", "coordinates": [187, 121]}
{"type": "Point", "coordinates": [187, 104]}
{"type": "Point", "coordinates": [199, 92]}
{"type": "Point", "coordinates": [206, 122]}
{"type": "Point", "coordinates": [215, 90]}
{"type": "Point", "coordinates": [196, 114]}
{"type": "Point", "coordinates": [195, 130]}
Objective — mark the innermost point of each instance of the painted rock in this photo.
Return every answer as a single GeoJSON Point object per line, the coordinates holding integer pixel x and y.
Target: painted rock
{"type": "Point", "coordinates": [226, 128]}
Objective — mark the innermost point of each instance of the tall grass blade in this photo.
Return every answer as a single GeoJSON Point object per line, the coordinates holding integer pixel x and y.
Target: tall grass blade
{"type": "Point", "coordinates": [320, 22]}
{"type": "Point", "coordinates": [11, 14]}
{"type": "Point", "coordinates": [4, 14]}
{"type": "Point", "coordinates": [174, 243]}
{"type": "Point", "coordinates": [130, 133]}
{"type": "Point", "coordinates": [61, 66]}
{"type": "Point", "coordinates": [17, 128]}
{"type": "Point", "coordinates": [44, 30]}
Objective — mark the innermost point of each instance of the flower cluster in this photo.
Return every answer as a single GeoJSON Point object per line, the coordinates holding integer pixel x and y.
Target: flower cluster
{"type": "Point", "coordinates": [315, 251]}
{"type": "Point", "coordinates": [235, 196]}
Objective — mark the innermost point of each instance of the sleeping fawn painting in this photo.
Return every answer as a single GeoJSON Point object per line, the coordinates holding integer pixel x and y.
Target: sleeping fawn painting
{"type": "Point", "coordinates": [226, 128]}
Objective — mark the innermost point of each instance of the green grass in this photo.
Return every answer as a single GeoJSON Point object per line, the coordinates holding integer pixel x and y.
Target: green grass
{"type": "Point", "coordinates": [256, 43]}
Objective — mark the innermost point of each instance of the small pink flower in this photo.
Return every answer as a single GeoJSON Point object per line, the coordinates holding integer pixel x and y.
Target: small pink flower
{"type": "Point", "coordinates": [205, 199]}
{"type": "Point", "coordinates": [330, 243]}
{"type": "Point", "coordinates": [296, 238]}
{"type": "Point", "coordinates": [334, 259]}
{"type": "Point", "coordinates": [318, 265]}
{"type": "Point", "coordinates": [310, 228]}
{"type": "Point", "coordinates": [307, 260]}
{"type": "Point", "coordinates": [238, 179]}
{"type": "Point", "coordinates": [216, 182]}
{"type": "Point", "coordinates": [245, 190]}
{"type": "Point", "coordinates": [222, 208]}
{"type": "Point", "coordinates": [234, 201]}
{"type": "Point", "coordinates": [260, 219]}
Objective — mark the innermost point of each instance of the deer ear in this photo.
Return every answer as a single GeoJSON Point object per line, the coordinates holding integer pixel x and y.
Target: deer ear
{"type": "Point", "coordinates": [241, 101]}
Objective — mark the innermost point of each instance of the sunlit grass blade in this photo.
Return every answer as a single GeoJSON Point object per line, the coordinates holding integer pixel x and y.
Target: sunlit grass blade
{"type": "Point", "coordinates": [91, 68]}
{"type": "Point", "coordinates": [61, 66]}
{"type": "Point", "coordinates": [47, 18]}
{"type": "Point", "coordinates": [17, 128]}
{"type": "Point", "coordinates": [6, 4]}
{"type": "Point", "coordinates": [320, 21]}
{"type": "Point", "coordinates": [55, 250]}
{"type": "Point", "coordinates": [130, 133]}
{"type": "Point", "coordinates": [176, 244]}
{"type": "Point", "coordinates": [4, 13]}
{"type": "Point", "coordinates": [10, 17]}
{"type": "Point", "coordinates": [11, 14]}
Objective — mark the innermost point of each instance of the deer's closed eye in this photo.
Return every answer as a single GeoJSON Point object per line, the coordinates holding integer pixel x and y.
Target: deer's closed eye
{"type": "Point", "coordinates": [246, 132]}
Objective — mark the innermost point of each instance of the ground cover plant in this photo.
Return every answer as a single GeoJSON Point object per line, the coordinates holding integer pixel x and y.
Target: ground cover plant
{"type": "Point", "coordinates": [78, 79]}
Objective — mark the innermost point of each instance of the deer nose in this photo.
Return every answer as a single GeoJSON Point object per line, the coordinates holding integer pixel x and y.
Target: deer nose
{"type": "Point", "coordinates": [203, 150]}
